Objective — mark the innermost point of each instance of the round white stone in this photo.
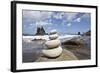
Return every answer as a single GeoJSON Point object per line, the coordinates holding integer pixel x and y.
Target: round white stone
{"type": "Point", "coordinates": [52, 43]}
{"type": "Point", "coordinates": [53, 31]}
{"type": "Point", "coordinates": [52, 52]}
{"type": "Point", "coordinates": [53, 36]}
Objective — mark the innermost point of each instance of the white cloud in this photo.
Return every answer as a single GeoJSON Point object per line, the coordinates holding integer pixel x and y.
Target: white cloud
{"type": "Point", "coordinates": [58, 15]}
{"type": "Point", "coordinates": [62, 15]}
{"type": "Point", "coordinates": [31, 24]}
{"type": "Point", "coordinates": [69, 24]}
{"type": "Point", "coordinates": [44, 18]}
{"type": "Point", "coordinates": [41, 23]}
{"type": "Point", "coordinates": [86, 15]}
{"type": "Point", "coordinates": [78, 20]}
{"type": "Point", "coordinates": [70, 16]}
{"type": "Point", "coordinates": [37, 15]}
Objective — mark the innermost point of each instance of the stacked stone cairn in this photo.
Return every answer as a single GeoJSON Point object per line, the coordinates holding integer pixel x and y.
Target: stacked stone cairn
{"type": "Point", "coordinates": [53, 45]}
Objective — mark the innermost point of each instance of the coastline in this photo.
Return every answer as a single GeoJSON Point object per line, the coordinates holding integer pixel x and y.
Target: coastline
{"type": "Point", "coordinates": [32, 50]}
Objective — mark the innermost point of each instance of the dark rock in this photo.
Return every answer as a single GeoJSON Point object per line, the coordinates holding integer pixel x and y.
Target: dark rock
{"type": "Point", "coordinates": [40, 31]}
{"type": "Point", "coordinates": [88, 33]}
{"type": "Point", "coordinates": [75, 42]}
{"type": "Point", "coordinates": [79, 33]}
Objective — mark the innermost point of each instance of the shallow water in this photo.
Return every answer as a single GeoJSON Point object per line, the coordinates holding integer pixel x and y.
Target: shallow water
{"type": "Point", "coordinates": [31, 50]}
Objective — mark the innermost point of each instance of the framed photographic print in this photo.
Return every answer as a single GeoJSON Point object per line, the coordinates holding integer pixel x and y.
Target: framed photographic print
{"type": "Point", "coordinates": [47, 36]}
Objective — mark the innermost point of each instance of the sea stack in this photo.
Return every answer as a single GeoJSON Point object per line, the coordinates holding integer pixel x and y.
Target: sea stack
{"type": "Point", "coordinates": [53, 45]}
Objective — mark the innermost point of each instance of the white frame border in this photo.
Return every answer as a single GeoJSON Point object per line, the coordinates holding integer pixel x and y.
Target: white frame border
{"type": "Point", "coordinates": [38, 65]}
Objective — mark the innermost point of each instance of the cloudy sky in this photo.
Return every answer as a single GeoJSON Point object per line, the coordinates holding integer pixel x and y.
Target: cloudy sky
{"type": "Point", "coordinates": [64, 22]}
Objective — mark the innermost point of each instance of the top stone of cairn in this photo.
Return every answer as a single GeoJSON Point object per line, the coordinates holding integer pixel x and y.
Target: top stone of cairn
{"type": "Point", "coordinates": [53, 32]}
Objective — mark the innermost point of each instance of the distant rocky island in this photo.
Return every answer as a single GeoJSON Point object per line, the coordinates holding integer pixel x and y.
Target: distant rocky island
{"type": "Point", "coordinates": [40, 31]}
{"type": "Point", "coordinates": [88, 33]}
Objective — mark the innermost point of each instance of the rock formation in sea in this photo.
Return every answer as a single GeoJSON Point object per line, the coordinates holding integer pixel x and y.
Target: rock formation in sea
{"type": "Point", "coordinates": [40, 31]}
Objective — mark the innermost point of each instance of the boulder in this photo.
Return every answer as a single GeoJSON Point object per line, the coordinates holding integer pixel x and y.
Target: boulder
{"type": "Point", "coordinates": [66, 55]}
{"type": "Point", "coordinates": [53, 36]}
{"type": "Point", "coordinates": [77, 41]}
{"type": "Point", "coordinates": [52, 43]}
{"type": "Point", "coordinates": [53, 32]}
{"type": "Point", "coordinates": [40, 31]}
{"type": "Point", "coordinates": [55, 52]}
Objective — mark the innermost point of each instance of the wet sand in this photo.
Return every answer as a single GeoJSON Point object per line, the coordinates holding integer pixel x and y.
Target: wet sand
{"type": "Point", "coordinates": [83, 52]}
